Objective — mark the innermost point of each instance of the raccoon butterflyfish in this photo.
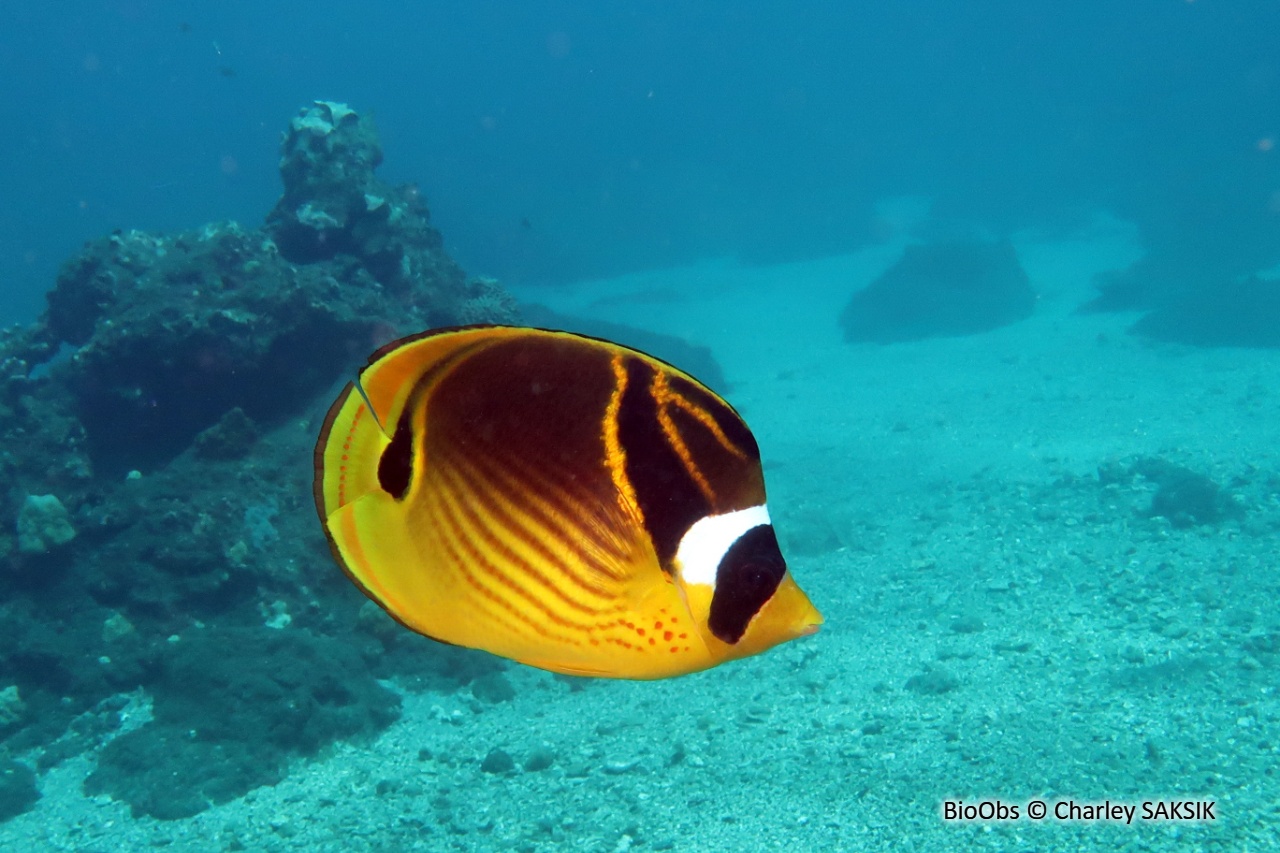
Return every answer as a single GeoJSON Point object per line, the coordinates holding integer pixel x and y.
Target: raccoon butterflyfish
{"type": "Point", "coordinates": [563, 501]}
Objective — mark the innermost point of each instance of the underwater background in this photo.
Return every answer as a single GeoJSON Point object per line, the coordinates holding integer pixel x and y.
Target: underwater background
{"type": "Point", "coordinates": [996, 286]}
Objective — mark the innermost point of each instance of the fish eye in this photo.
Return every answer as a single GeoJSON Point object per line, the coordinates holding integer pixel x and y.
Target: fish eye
{"type": "Point", "coordinates": [748, 576]}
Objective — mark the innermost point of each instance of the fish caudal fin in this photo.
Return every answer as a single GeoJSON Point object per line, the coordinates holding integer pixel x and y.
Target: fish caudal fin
{"type": "Point", "coordinates": [347, 453]}
{"type": "Point", "coordinates": [364, 523]}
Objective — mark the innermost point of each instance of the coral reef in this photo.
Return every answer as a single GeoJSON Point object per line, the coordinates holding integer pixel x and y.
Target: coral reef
{"type": "Point", "coordinates": [168, 333]}
{"type": "Point", "coordinates": [157, 425]}
{"type": "Point", "coordinates": [231, 706]}
{"type": "Point", "coordinates": [173, 332]}
{"type": "Point", "coordinates": [334, 206]}
{"type": "Point", "coordinates": [939, 290]}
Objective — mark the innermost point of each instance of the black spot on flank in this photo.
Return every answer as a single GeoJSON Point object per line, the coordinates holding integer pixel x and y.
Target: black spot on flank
{"type": "Point", "coordinates": [747, 577]}
{"type": "Point", "coordinates": [395, 468]}
{"type": "Point", "coordinates": [668, 496]}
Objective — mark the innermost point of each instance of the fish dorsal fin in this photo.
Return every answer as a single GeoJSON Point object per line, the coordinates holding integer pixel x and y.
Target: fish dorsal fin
{"type": "Point", "coordinates": [406, 368]}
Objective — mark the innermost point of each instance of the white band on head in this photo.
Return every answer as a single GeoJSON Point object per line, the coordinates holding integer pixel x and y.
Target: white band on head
{"type": "Point", "coordinates": [704, 545]}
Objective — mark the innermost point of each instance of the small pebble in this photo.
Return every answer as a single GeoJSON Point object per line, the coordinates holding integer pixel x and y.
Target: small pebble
{"type": "Point", "coordinates": [617, 768]}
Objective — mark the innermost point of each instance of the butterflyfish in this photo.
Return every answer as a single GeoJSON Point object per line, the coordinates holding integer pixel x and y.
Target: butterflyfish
{"type": "Point", "coordinates": [563, 501]}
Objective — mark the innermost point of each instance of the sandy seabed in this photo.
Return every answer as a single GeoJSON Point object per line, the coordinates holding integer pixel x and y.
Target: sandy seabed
{"type": "Point", "coordinates": [1002, 623]}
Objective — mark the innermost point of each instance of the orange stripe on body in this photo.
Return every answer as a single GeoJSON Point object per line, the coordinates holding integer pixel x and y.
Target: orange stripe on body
{"type": "Point", "coordinates": [554, 522]}
{"type": "Point", "coordinates": [614, 455]}
{"type": "Point", "coordinates": [489, 597]}
{"type": "Point", "coordinates": [664, 397]}
{"type": "Point", "coordinates": [466, 536]}
{"type": "Point", "coordinates": [562, 505]}
{"type": "Point", "coordinates": [497, 513]}
{"type": "Point", "coordinates": [669, 397]}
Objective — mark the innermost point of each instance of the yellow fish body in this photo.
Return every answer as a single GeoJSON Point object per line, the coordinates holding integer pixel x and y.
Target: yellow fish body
{"type": "Point", "coordinates": [562, 501]}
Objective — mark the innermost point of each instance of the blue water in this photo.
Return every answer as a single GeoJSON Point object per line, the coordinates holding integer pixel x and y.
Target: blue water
{"type": "Point", "coordinates": [1030, 474]}
{"type": "Point", "coordinates": [638, 135]}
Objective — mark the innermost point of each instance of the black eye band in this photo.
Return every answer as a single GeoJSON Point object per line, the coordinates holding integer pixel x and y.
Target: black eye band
{"type": "Point", "coordinates": [748, 575]}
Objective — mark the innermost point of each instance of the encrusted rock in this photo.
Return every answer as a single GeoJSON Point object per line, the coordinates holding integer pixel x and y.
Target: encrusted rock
{"type": "Point", "coordinates": [231, 437]}
{"type": "Point", "coordinates": [174, 332]}
{"type": "Point", "coordinates": [43, 524]}
{"type": "Point", "coordinates": [11, 706]}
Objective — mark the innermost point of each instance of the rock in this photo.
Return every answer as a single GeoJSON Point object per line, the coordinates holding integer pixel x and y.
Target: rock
{"type": "Point", "coordinates": [18, 791]}
{"type": "Point", "coordinates": [539, 759]}
{"type": "Point", "coordinates": [618, 768]}
{"type": "Point", "coordinates": [498, 761]}
{"type": "Point", "coordinates": [11, 706]}
{"type": "Point", "coordinates": [1233, 314]}
{"type": "Point", "coordinates": [43, 523]}
{"type": "Point", "coordinates": [932, 682]}
{"type": "Point", "coordinates": [232, 706]}
{"type": "Point", "coordinates": [232, 437]}
{"type": "Point", "coordinates": [1185, 497]}
{"type": "Point", "coordinates": [116, 626]}
{"type": "Point", "coordinates": [939, 290]}
{"type": "Point", "coordinates": [967, 623]}
{"type": "Point", "coordinates": [169, 327]}
{"type": "Point", "coordinates": [493, 688]}
{"type": "Point", "coordinates": [327, 162]}
{"type": "Point", "coordinates": [175, 352]}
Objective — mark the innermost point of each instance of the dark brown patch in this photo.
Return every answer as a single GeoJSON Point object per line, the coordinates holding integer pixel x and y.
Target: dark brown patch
{"type": "Point", "coordinates": [729, 421]}
{"type": "Point", "coordinates": [669, 498]}
{"type": "Point", "coordinates": [735, 482]}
